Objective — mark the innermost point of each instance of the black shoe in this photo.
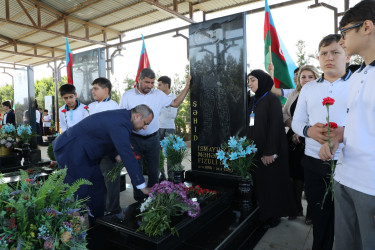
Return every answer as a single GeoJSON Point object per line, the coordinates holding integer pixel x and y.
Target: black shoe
{"type": "Point", "coordinates": [308, 221]}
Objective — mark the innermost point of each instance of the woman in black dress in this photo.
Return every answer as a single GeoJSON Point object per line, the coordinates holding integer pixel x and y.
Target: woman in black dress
{"type": "Point", "coordinates": [266, 128]}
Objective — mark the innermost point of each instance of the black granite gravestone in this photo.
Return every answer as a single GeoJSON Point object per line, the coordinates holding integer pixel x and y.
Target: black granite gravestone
{"type": "Point", "coordinates": [218, 91]}
{"type": "Point", "coordinates": [24, 99]}
{"type": "Point", "coordinates": [218, 111]}
{"type": "Point", "coordinates": [49, 104]}
{"type": "Point", "coordinates": [87, 66]}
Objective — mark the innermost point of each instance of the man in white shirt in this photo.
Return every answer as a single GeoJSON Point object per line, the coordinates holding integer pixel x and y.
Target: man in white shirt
{"type": "Point", "coordinates": [355, 170]}
{"type": "Point", "coordinates": [309, 121]}
{"type": "Point", "coordinates": [101, 91]}
{"type": "Point", "coordinates": [166, 117]}
{"type": "Point", "coordinates": [73, 111]}
{"type": "Point", "coordinates": [146, 142]}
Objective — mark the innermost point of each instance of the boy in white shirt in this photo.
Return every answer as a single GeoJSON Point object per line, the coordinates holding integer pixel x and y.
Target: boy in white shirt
{"type": "Point", "coordinates": [355, 170]}
{"type": "Point", "coordinates": [101, 91]}
{"type": "Point", "coordinates": [46, 122]}
{"type": "Point", "coordinates": [309, 121]}
{"type": "Point", "coordinates": [73, 111]}
{"type": "Point", "coordinates": [166, 117]}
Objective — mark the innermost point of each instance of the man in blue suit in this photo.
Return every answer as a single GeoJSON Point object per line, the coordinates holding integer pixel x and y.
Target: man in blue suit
{"type": "Point", "coordinates": [80, 149]}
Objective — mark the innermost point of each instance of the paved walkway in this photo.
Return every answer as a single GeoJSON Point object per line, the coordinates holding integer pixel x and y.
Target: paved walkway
{"type": "Point", "coordinates": [288, 235]}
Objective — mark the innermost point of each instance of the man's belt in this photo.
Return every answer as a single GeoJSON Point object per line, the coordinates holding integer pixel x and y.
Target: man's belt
{"type": "Point", "coordinates": [145, 136]}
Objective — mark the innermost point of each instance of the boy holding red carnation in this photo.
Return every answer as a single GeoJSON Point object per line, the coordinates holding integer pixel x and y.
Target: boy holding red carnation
{"type": "Point", "coordinates": [309, 121]}
{"type": "Point", "coordinates": [355, 171]}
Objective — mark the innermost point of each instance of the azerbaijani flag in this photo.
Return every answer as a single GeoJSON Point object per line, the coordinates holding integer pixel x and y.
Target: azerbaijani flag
{"type": "Point", "coordinates": [69, 63]}
{"type": "Point", "coordinates": [280, 57]}
{"type": "Point", "coordinates": [143, 60]}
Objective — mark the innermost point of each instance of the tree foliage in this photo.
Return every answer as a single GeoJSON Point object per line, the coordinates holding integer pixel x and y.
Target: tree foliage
{"type": "Point", "coordinates": [46, 87]}
{"type": "Point", "coordinates": [302, 57]}
{"type": "Point", "coordinates": [6, 93]}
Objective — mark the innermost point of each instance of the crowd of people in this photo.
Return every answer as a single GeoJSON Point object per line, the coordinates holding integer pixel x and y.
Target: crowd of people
{"type": "Point", "coordinates": [345, 214]}
{"type": "Point", "coordinates": [144, 115]}
{"type": "Point", "coordinates": [294, 142]}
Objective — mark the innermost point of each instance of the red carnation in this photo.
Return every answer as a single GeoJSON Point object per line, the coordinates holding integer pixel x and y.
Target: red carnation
{"type": "Point", "coordinates": [328, 101]}
{"type": "Point", "coordinates": [63, 111]}
{"type": "Point", "coordinates": [86, 107]}
{"type": "Point", "coordinates": [332, 125]}
{"type": "Point", "coordinates": [138, 157]}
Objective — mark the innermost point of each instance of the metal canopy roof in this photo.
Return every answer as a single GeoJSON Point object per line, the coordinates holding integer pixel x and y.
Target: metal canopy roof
{"type": "Point", "coordinates": [33, 32]}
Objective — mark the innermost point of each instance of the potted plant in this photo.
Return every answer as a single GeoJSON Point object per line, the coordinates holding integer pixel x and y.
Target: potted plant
{"type": "Point", "coordinates": [166, 200]}
{"type": "Point", "coordinates": [238, 155]}
{"type": "Point", "coordinates": [42, 215]}
{"type": "Point", "coordinates": [174, 149]}
{"type": "Point", "coordinates": [7, 139]}
{"type": "Point", "coordinates": [25, 134]}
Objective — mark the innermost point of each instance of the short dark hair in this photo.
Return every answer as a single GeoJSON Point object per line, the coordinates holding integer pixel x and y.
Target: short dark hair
{"type": "Point", "coordinates": [296, 70]}
{"type": "Point", "coordinates": [144, 110]}
{"type": "Point", "coordinates": [328, 40]}
{"type": "Point", "coordinates": [7, 103]}
{"type": "Point", "coordinates": [103, 83]}
{"type": "Point", "coordinates": [165, 80]}
{"type": "Point", "coordinates": [146, 72]}
{"type": "Point", "coordinates": [67, 89]}
{"type": "Point", "coordinates": [362, 11]}
{"type": "Point", "coordinates": [46, 110]}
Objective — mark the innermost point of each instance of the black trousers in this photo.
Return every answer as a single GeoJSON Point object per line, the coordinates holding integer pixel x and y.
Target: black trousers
{"type": "Point", "coordinates": [317, 177]}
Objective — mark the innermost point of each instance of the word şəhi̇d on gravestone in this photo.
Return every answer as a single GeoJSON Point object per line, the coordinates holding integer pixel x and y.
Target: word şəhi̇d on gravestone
{"type": "Point", "coordinates": [218, 92]}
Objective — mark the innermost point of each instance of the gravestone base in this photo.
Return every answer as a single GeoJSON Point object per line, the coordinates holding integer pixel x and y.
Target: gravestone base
{"type": "Point", "coordinates": [123, 235]}
{"type": "Point", "coordinates": [221, 225]}
{"type": "Point", "coordinates": [35, 156]}
{"type": "Point", "coordinates": [9, 161]}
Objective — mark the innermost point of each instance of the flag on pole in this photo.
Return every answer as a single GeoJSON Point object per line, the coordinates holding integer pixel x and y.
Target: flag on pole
{"type": "Point", "coordinates": [143, 60]}
{"type": "Point", "coordinates": [69, 63]}
{"type": "Point", "coordinates": [273, 51]}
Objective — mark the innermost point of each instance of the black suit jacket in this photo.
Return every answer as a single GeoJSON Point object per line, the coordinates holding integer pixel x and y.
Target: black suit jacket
{"type": "Point", "coordinates": [11, 117]}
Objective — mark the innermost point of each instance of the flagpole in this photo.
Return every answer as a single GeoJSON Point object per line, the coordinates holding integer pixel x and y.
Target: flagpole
{"type": "Point", "coordinates": [270, 57]}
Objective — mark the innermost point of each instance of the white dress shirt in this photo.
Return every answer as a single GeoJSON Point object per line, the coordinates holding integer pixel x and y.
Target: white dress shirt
{"type": "Point", "coordinates": [155, 99]}
{"type": "Point", "coordinates": [310, 110]}
{"type": "Point", "coordinates": [107, 104]}
{"type": "Point", "coordinates": [72, 116]}
{"type": "Point", "coordinates": [47, 121]}
{"type": "Point", "coordinates": [4, 121]}
{"type": "Point", "coordinates": [286, 92]}
{"type": "Point", "coordinates": [37, 116]}
{"type": "Point", "coordinates": [356, 165]}
{"type": "Point", "coordinates": [167, 115]}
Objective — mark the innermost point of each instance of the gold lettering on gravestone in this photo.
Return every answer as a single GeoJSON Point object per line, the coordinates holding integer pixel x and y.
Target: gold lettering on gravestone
{"type": "Point", "coordinates": [207, 158]}
{"type": "Point", "coordinates": [194, 113]}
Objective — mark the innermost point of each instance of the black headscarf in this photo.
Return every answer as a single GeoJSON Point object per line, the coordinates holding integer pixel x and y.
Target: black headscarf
{"type": "Point", "coordinates": [265, 82]}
